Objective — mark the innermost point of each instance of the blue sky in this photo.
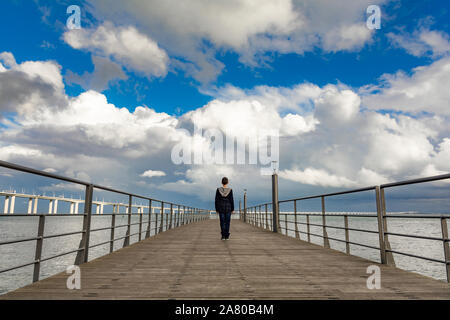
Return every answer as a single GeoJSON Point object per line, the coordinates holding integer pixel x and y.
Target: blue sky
{"type": "Point", "coordinates": [309, 69]}
{"type": "Point", "coordinates": [31, 24]}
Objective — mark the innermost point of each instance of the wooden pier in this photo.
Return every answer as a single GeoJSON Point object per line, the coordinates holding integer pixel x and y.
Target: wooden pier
{"type": "Point", "coordinates": [191, 262]}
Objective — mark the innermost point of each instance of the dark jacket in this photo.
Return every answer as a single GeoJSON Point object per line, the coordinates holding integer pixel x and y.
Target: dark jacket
{"type": "Point", "coordinates": [224, 200]}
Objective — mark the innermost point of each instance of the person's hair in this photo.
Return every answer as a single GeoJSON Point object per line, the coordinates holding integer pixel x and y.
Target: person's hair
{"type": "Point", "coordinates": [224, 180]}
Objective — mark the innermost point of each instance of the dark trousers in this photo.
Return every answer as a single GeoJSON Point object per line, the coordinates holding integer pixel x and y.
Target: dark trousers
{"type": "Point", "coordinates": [225, 223]}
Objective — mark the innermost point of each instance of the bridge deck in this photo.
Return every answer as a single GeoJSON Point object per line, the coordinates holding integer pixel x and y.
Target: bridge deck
{"type": "Point", "coordinates": [191, 262]}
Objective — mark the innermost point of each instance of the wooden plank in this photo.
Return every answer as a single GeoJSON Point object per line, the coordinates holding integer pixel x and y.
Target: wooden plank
{"type": "Point", "coordinates": [191, 262]}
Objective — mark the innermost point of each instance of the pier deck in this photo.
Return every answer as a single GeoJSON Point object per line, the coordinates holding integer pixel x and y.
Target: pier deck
{"type": "Point", "coordinates": [191, 262]}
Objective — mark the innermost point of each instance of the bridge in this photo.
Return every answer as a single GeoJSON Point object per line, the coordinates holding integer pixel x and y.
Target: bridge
{"type": "Point", "coordinates": [179, 255]}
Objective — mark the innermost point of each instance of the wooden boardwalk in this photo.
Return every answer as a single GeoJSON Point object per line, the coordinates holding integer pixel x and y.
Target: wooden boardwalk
{"type": "Point", "coordinates": [191, 262]}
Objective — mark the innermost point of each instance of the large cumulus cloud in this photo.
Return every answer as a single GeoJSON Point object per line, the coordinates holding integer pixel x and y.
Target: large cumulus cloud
{"type": "Point", "coordinates": [331, 136]}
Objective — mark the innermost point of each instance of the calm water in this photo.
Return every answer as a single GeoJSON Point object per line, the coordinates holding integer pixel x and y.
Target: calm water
{"type": "Point", "coordinates": [22, 227]}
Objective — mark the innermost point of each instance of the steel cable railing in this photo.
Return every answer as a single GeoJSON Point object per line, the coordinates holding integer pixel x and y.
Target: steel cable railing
{"type": "Point", "coordinates": [162, 220]}
{"type": "Point", "coordinates": [260, 216]}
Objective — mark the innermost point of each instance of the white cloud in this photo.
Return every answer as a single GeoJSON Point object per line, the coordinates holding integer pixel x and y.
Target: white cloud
{"type": "Point", "coordinates": [125, 45]}
{"type": "Point", "coordinates": [425, 90]}
{"type": "Point", "coordinates": [30, 86]}
{"type": "Point", "coordinates": [316, 177]}
{"type": "Point", "coordinates": [327, 137]}
{"type": "Point", "coordinates": [248, 117]}
{"type": "Point", "coordinates": [422, 42]}
{"type": "Point", "coordinates": [224, 23]}
{"type": "Point", "coordinates": [153, 173]}
{"type": "Point", "coordinates": [347, 37]}
{"type": "Point", "coordinates": [250, 28]}
{"type": "Point", "coordinates": [105, 72]}
{"type": "Point", "coordinates": [335, 106]}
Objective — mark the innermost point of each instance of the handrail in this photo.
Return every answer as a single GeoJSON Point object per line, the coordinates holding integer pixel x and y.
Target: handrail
{"type": "Point", "coordinates": [20, 168]}
{"type": "Point", "coordinates": [258, 217]}
{"type": "Point", "coordinates": [179, 215]}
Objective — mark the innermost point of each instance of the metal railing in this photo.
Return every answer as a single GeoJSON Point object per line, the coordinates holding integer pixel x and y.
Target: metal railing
{"type": "Point", "coordinates": [177, 216]}
{"type": "Point", "coordinates": [260, 216]}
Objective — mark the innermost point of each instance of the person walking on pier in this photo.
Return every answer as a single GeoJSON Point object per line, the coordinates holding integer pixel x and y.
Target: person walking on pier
{"type": "Point", "coordinates": [224, 207]}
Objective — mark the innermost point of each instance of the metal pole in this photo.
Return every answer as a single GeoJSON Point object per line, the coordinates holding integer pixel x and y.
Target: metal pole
{"type": "Point", "coordinates": [113, 227]}
{"type": "Point", "coordinates": [147, 235]}
{"type": "Point", "coordinates": [326, 243]}
{"type": "Point", "coordinates": [259, 218]}
{"type": "Point", "coordinates": [445, 241]}
{"type": "Point", "coordinates": [171, 216]}
{"type": "Point", "coordinates": [380, 225]}
{"type": "Point", "coordinates": [297, 235]}
{"type": "Point", "coordinates": [286, 223]}
{"type": "Point", "coordinates": [389, 255]}
{"type": "Point", "coordinates": [245, 205]}
{"type": "Point", "coordinates": [126, 242]}
{"type": "Point", "coordinates": [275, 208]}
{"type": "Point", "coordinates": [156, 221]}
{"type": "Point", "coordinates": [240, 210]}
{"type": "Point", "coordinates": [140, 225]}
{"type": "Point", "coordinates": [83, 253]}
{"type": "Point", "coordinates": [162, 218]}
{"type": "Point", "coordinates": [39, 242]}
{"type": "Point", "coordinates": [267, 220]}
{"type": "Point", "coordinates": [347, 238]}
{"type": "Point", "coordinates": [308, 228]}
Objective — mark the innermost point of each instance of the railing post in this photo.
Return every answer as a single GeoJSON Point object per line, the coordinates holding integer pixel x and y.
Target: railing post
{"type": "Point", "coordinates": [126, 242]}
{"type": "Point", "coordinates": [140, 225]}
{"type": "Point", "coordinates": [156, 221]}
{"type": "Point", "coordinates": [275, 204]}
{"type": "Point", "coordinates": [162, 217]}
{"type": "Point", "coordinates": [347, 238]}
{"type": "Point", "coordinates": [297, 235]}
{"type": "Point", "coordinates": [308, 228]}
{"type": "Point", "coordinates": [147, 234]}
{"type": "Point", "coordinates": [240, 210]}
{"type": "Point", "coordinates": [260, 217]}
{"type": "Point", "coordinates": [245, 205]}
{"type": "Point", "coordinates": [267, 219]}
{"type": "Point", "coordinates": [171, 216]}
{"type": "Point", "coordinates": [445, 241]}
{"type": "Point", "coordinates": [286, 223]}
{"type": "Point", "coordinates": [326, 243]}
{"type": "Point", "coordinates": [389, 255]}
{"type": "Point", "coordinates": [38, 253]}
{"type": "Point", "coordinates": [83, 253]}
{"type": "Point", "coordinates": [380, 225]}
{"type": "Point", "coordinates": [113, 227]}
{"type": "Point", "coordinates": [183, 220]}
{"type": "Point", "coordinates": [178, 215]}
